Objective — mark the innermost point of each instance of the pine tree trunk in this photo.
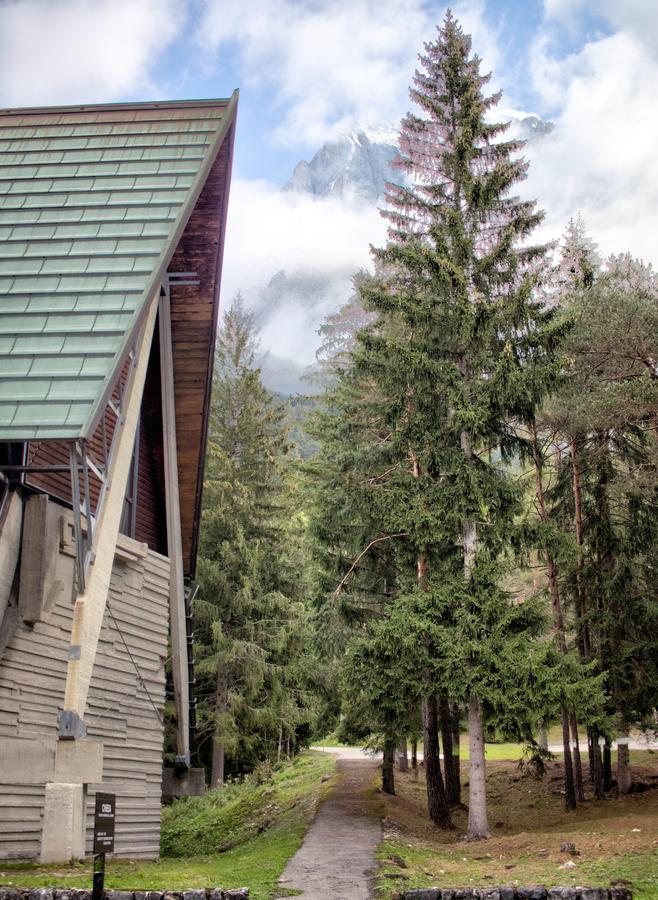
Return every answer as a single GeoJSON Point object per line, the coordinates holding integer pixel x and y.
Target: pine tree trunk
{"type": "Point", "coordinates": [595, 763]}
{"type": "Point", "coordinates": [569, 784]}
{"type": "Point", "coordinates": [414, 758]}
{"type": "Point", "coordinates": [446, 743]}
{"type": "Point", "coordinates": [584, 642]}
{"type": "Point", "coordinates": [388, 768]}
{"type": "Point", "coordinates": [437, 802]}
{"type": "Point", "coordinates": [624, 778]}
{"type": "Point", "coordinates": [560, 631]}
{"type": "Point", "coordinates": [578, 765]}
{"type": "Point", "coordinates": [542, 736]}
{"type": "Point", "coordinates": [478, 825]}
{"type": "Point", "coordinates": [456, 773]}
{"type": "Point", "coordinates": [218, 753]}
{"type": "Point", "coordinates": [217, 771]}
{"type": "Point", "coordinates": [403, 759]}
{"type": "Point", "coordinates": [279, 744]}
{"type": "Point", "coordinates": [607, 766]}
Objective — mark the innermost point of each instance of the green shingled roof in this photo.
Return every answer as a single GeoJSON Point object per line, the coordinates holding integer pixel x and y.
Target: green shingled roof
{"type": "Point", "coordinates": [93, 201]}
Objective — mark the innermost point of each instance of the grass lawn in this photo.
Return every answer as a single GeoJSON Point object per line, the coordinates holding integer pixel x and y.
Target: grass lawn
{"type": "Point", "coordinates": [615, 838]}
{"type": "Point", "coordinates": [258, 827]}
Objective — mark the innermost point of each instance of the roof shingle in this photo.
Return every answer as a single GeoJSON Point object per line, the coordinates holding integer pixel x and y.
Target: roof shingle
{"type": "Point", "coordinates": [92, 201]}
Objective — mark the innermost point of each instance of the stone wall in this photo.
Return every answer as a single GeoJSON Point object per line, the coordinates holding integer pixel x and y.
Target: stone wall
{"type": "Point", "coordinates": [123, 711]}
{"type": "Point", "coordinates": [7, 893]}
{"type": "Point", "coordinates": [532, 892]}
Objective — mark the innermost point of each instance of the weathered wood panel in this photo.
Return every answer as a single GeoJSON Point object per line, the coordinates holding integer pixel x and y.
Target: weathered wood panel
{"type": "Point", "coordinates": [123, 710]}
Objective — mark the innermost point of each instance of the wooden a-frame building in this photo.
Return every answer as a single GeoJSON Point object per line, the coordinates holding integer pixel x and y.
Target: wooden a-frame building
{"type": "Point", "coordinates": [112, 222]}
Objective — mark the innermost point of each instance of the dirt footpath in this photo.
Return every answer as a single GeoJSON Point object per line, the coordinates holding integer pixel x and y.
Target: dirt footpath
{"type": "Point", "coordinates": [336, 860]}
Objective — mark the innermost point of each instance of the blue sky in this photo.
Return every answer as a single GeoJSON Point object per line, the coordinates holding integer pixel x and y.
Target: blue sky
{"type": "Point", "coordinates": [206, 48]}
{"type": "Point", "coordinates": [309, 70]}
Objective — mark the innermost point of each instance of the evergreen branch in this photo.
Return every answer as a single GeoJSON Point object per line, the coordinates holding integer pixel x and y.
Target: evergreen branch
{"type": "Point", "coordinates": [386, 537]}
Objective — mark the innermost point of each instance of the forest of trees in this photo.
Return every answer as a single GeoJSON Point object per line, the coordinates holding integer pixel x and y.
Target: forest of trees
{"type": "Point", "coordinates": [467, 541]}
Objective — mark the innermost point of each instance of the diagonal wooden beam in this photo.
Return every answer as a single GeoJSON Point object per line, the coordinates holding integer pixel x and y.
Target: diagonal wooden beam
{"type": "Point", "coordinates": [90, 605]}
{"type": "Point", "coordinates": [174, 540]}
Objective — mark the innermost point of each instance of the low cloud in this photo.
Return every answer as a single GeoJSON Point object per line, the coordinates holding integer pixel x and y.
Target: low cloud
{"type": "Point", "coordinates": [270, 230]}
{"type": "Point", "coordinates": [331, 65]}
{"type": "Point", "coordinates": [72, 51]}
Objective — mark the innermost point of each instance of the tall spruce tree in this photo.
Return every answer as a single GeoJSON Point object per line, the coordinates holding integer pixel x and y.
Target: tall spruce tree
{"type": "Point", "coordinates": [460, 348]}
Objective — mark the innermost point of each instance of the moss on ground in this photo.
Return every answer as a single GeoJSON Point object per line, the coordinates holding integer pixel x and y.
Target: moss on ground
{"type": "Point", "coordinates": [241, 835]}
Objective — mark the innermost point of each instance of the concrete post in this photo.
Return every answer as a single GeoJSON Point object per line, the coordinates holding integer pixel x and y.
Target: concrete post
{"type": "Point", "coordinates": [63, 834]}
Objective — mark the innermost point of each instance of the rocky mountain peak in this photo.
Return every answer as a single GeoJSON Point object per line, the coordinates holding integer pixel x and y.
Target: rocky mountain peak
{"type": "Point", "coordinates": [357, 165]}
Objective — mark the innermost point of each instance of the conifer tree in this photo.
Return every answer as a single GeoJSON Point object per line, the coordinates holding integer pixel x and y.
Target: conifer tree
{"type": "Point", "coordinates": [249, 626]}
{"type": "Point", "coordinates": [606, 413]}
{"type": "Point", "coordinates": [461, 347]}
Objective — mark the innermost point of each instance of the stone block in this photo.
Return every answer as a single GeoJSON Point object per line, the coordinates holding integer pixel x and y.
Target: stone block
{"type": "Point", "coordinates": [488, 894]}
{"type": "Point", "coordinates": [237, 894]}
{"type": "Point", "coordinates": [153, 895]}
{"type": "Point", "coordinates": [216, 894]}
{"type": "Point", "coordinates": [118, 895]}
{"type": "Point", "coordinates": [562, 893]}
{"type": "Point", "coordinates": [620, 893]}
{"type": "Point", "coordinates": [587, 893]}
{"type": "Point", "coordinates": [194, 895]}
{"type": "Point", "coordinates": [532, 892]}
{"type": "Point", "coordinates": [423, 894]}
{"type": "Point", "coordinates": [80, 761]}
{"type": "Point", "coordinates": [41, 894]}
{"type": "Point", "coordinates": [7, 893]}
{"type": "Point", "coordinates": [507, 892]}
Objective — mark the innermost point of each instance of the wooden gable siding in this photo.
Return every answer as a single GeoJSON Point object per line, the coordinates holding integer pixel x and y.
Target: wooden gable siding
{"type": "Point", "coordinates": [194, 315]}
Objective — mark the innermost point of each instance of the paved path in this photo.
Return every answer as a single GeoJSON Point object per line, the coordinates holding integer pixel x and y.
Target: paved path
{"type": "Point", "coordinates": [336, 860]}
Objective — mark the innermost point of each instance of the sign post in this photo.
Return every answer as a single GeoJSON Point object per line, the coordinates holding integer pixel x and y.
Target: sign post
{"type": "Point", "coordinates": [103, 839]}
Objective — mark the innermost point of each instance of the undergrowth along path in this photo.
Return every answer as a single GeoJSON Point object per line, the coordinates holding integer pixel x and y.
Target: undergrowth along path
{"type": "Point", "coordinates": [337, 858]}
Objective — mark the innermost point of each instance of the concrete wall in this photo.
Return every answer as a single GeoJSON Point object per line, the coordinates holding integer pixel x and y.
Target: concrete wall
{"type": "Point", "coordinates": [120, 712]}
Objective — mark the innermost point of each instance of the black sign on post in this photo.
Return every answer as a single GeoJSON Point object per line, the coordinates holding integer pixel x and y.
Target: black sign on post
{"type": "Point", "coordinates": [104, 823]}
{"type": "Point", "coordinates": [103, 839]}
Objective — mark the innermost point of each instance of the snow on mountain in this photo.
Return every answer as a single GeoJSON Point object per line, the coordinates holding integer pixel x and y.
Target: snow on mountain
{"type": "Point", "coordinates": [357, 165]}
{"type": "Point", "coordinates": [290, 309]}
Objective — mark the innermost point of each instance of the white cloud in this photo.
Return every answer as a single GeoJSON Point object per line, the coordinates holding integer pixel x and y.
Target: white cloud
{"type": "Point", "coordinates": [72, 51]}
{"type": "Point", "coordinates": [601, 159]}
{"type": "Point", "coordinates": [635, 17]}
{"type": "Point", "coordinates": [320, 241]}
{"type": "Point", "coordinates": [332, 64]}
{"type": "Point", "coordinates": [269, 230]}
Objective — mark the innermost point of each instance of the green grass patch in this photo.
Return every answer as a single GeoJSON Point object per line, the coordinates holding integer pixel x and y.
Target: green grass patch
{"type": "Point", "coordinates": [460, 867]}
{"type": "Point", "coordinates": [615, 838]}
{"type": "Point", "coordinates": [238, 836]}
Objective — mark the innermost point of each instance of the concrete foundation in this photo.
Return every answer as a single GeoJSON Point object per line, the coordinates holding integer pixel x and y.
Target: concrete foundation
{"type": "Point", "coordinates": [63, 834]}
